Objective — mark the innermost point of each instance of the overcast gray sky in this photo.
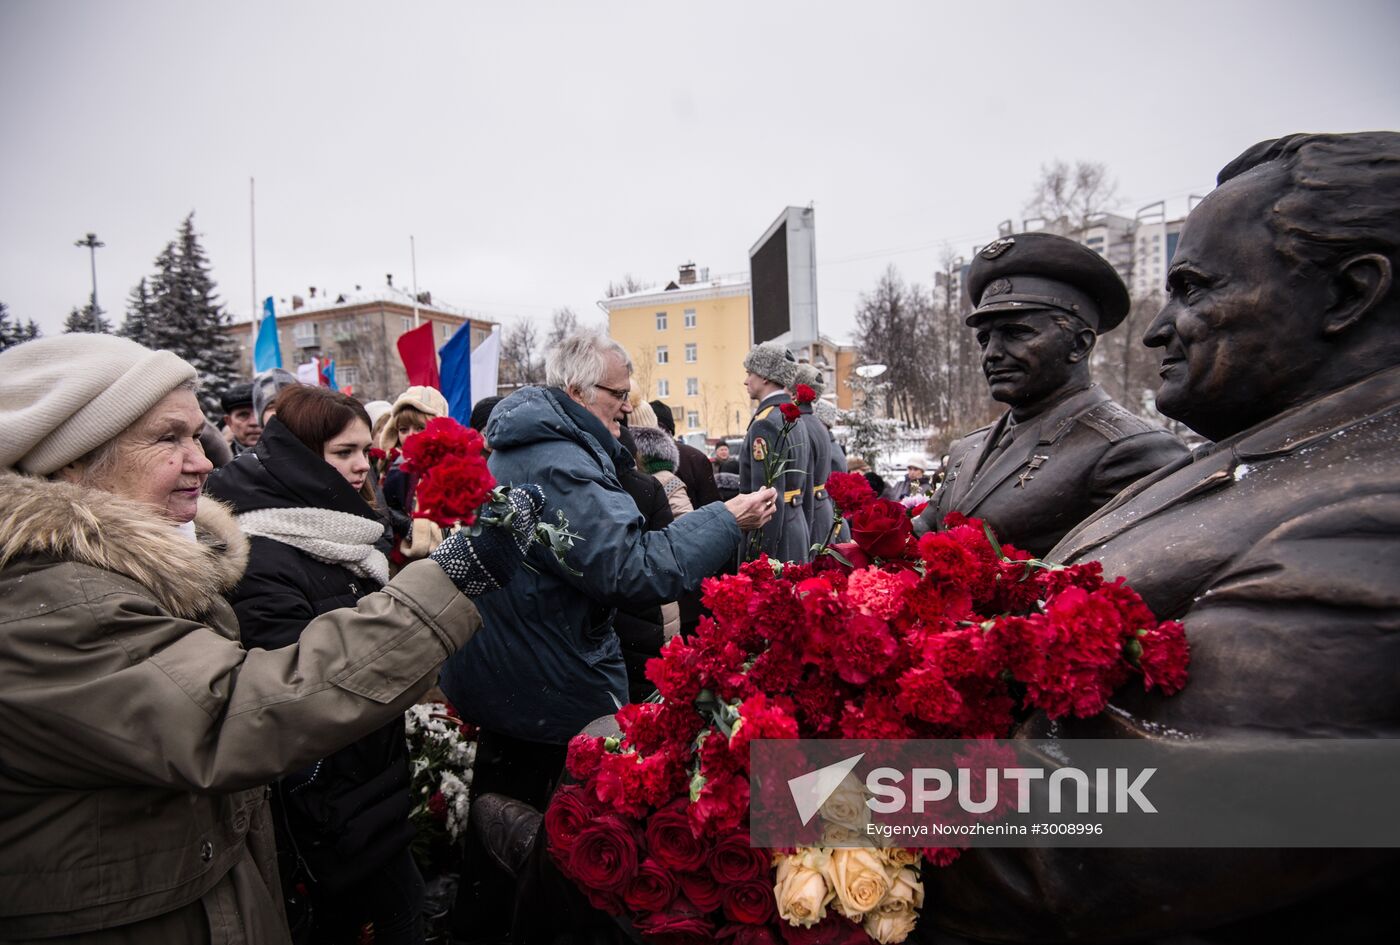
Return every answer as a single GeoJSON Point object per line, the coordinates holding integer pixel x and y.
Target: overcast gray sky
{"type": "Point", "coordinates": [538, 150]}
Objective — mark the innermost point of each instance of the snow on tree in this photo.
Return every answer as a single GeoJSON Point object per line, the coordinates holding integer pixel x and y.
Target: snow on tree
{"type": "Point", "coordinates": [12, 332]}
{"type": "Point", "coordinates": [185, 316]}
{"type": "Point", "coordinates": [87, 319]}
{"type": "Point", "coordinates": [139, 324]}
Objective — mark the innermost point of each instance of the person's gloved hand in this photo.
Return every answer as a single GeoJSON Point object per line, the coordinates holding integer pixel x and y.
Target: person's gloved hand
{"type": "Point", "coordinates": [487, 561]}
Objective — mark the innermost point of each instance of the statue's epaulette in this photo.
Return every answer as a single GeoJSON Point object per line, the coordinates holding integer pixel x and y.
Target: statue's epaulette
{"type": "Point", "coordinates": [763, 414]}
{"type": "Point", "coordinates": [1114, 422]}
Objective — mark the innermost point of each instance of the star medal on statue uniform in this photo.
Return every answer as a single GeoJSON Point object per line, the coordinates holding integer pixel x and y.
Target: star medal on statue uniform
{"type": "Point", "coordinates": [760, 449]}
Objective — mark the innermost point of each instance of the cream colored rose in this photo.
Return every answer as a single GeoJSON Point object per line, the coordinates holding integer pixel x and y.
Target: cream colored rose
{"type": "Point", "coordinates": [846, 805]}
{"type": "Point", "coordinates": [858, 877]}
{"type": "Point", "coordinates": [839, 835]}
{"type": "Point", "coordinates": [899, 857]}
{"type": "Point", "coordinates": [801, 890]}
{"type": "Point", "coordinates": [906, 892]}
{"type": "Point", "coordinates": [888, 927]}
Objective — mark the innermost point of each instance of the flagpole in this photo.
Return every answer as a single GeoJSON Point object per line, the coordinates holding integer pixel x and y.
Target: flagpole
{"type": "Point", "coordinates": [413, 256]}
{"type": "Point", "coordinates": [253, 245]}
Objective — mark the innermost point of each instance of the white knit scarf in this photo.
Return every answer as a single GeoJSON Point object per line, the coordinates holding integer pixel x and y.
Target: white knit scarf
{"type": "Point", "coordinates": [333, 537]}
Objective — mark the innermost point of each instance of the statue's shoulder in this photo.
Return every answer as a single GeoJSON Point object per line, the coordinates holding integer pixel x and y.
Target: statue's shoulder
{"type": "Point", "coordinates": [1114, 422]}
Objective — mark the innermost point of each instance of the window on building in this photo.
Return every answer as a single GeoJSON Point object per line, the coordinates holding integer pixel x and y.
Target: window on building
{"type": "Point", "coordinates": [692, 353]}
{"type": "Point", "coordinates": [663, 387]}
{"type": "Point", "coordinates": [690, 318]}
{"type": "Point", "coordinates": [349, 376]}
{"type": "Point", "coordinates": [407, 323]}
{"type": "Point", "coordinates": [663, 355]}
{"type": "Point", "coordinates": [660, 321]}
{"type": "Point", "coordinates": [692, 387]}
{"type": "Point", "coordinates": [692, 419]}
{"type": "Point", "coordinates": [446, 331]}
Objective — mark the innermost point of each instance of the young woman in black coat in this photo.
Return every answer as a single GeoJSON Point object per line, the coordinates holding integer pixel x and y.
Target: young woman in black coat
{"type": "Point", "coordinates": [316, 545]}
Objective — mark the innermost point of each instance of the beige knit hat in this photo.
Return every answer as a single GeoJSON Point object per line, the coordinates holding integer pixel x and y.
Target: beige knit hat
{"type": "Point", "coordinates": [642, 416]}
{"type": "Point", "coordinates": [62, 397]}
{"type": "Point", "coordinates": [423, 399]}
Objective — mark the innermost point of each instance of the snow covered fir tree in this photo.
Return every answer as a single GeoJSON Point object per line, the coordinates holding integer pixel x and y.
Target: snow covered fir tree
{"type": "Point", "coordinates": [177, 309]}
{"type": "Point", "coordinates": [88, 319]}
{"type": "Point", "coordinates": [12, 332]}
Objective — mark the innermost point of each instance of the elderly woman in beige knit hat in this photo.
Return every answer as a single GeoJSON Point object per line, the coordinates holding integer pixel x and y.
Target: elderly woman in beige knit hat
{"type": "Point", "coordinates": [138, 733]}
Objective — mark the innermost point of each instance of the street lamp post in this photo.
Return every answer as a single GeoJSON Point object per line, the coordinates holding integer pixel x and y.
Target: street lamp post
{"type": "Point", "coordinates": [92, 243]}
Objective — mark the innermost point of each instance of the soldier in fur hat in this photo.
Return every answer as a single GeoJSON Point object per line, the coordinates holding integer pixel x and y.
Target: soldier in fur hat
{"type": "Point", "coordinates": [772, 438]}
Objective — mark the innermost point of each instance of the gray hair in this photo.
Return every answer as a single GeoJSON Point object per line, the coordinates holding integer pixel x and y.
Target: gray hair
{"type": "Point", "coordinates": [580, 361]}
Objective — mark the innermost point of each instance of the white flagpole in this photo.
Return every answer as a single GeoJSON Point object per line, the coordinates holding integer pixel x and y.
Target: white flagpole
{"type": "Point", "coordinates": [413, 255]}
{"type": "Point", "coordinates": [253, 251]}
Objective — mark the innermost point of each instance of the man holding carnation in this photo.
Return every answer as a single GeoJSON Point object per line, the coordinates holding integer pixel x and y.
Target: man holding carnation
{"type": "Point", "coordinates": [1277, 545]}
{"type": "Point", "coordinates": [555, 659]}
{"type": "Point", "coordinates": [1064, 447]}
{"type": "Point", "coordinates": [776, 440]}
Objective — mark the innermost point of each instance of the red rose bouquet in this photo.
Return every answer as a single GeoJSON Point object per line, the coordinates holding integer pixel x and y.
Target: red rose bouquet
{"type": "Point", "coordinates": [947, 636]}
{"type": "Point", "coordinates": [456, 489]}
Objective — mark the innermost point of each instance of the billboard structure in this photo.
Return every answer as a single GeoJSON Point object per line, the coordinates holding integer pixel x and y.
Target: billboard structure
{"type": "Point", "coordinates": [783, 280]}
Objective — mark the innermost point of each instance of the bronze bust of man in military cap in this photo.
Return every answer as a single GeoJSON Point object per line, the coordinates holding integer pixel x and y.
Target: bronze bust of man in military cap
{"type": "Point", "coordinates": [1277, 546]}
{"type": "Point", "coordinates": [1064, 448]}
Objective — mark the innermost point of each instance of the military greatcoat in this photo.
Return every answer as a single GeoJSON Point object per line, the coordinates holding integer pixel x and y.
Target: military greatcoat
{"type": "Point", "coordinates": [1059, 468]}
{"type": "Point", "coordinates": [786, 537]}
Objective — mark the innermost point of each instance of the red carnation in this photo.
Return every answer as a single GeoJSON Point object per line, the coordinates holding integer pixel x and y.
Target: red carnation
{"type": "Point", "coordinates": [1164, 656]}
{"type": "Point", "coordinates": [882, 529]}
{"type": "Point", "coordinates": [805, 394]}
{"type": "Point", "coordinates": [849, 491]}
{"type": "Point", "coordinates": [585, 754]}
{"type": "Point", "coordinates": [790, 412]}
{"type": "Point", "coordinates": [866, 649]}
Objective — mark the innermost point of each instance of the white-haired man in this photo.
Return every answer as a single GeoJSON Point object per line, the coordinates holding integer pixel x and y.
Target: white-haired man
{"type": "Point", "coordinates": [558, 662]}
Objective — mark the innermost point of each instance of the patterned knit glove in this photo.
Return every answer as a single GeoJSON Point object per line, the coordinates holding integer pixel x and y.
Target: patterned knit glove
{"type": "Point", "coordinates": [487, 561]}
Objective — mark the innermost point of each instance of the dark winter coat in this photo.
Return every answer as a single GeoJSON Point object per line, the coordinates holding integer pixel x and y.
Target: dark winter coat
{"type": "Point", "coordinates": [642, 628]}
{"type": "Point", "coordinates": [548, 660]}
{"type": "Point", "coordinates": [347, 813]}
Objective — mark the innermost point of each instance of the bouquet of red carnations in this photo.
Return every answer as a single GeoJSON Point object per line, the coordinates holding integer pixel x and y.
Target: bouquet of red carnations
{"type": "Point", "coordinates": [456, 489]}
{"type": "Point", "coordinates": [885, 637]}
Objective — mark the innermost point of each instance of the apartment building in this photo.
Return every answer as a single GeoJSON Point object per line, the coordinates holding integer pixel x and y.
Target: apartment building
{"type": "Point", "coordinates": [359, 330]}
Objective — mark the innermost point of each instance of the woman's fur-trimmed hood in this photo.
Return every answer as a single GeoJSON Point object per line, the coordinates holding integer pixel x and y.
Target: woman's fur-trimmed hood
{"type": "Point", "coordinates": [40, 517]}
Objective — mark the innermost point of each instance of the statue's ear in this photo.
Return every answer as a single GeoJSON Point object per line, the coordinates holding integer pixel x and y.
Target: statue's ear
{"type": "Point", "coordinates": [1083, 344]}
{"type": "Point", "coordinates": [1359, 286]}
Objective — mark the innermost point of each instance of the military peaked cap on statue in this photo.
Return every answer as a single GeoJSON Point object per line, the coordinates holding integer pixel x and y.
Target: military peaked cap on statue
{"type": "Point", "coordinates": [1030, 271]}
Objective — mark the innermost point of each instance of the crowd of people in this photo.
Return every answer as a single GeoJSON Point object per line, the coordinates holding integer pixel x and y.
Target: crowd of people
{"type": "Point", "coordinates": [210, 636]}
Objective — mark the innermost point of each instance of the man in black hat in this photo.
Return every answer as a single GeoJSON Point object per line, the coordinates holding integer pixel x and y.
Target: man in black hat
{"type": "Point", "coordinates": [1064, 448]}
{"type": "Point", "coordinates": [237, 402]}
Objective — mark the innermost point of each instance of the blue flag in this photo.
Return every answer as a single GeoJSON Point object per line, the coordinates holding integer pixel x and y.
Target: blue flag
{"type": "Point", "coordinates": [267, 353]}
{"type": "Point", "coordinates": [456, 372]}
{"type": "Point", "coordinates": [328, 374]}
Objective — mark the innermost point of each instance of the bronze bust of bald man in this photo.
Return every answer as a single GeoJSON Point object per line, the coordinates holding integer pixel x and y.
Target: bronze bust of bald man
{"type": "Point", "coordinates": [1064, 448]}
{"type": "Point", "coordinates": [1277, 545]}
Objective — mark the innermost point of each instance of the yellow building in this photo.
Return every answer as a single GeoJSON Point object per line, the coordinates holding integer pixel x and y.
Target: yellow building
{"type": "Point", "coordinates": [688, 342]}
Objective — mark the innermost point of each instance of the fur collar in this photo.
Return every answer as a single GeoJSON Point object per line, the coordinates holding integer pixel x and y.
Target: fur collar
{"type": "Point", "coordinates": [655, 443]}
{"type": "Point", "coordinates": [60, 520]}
